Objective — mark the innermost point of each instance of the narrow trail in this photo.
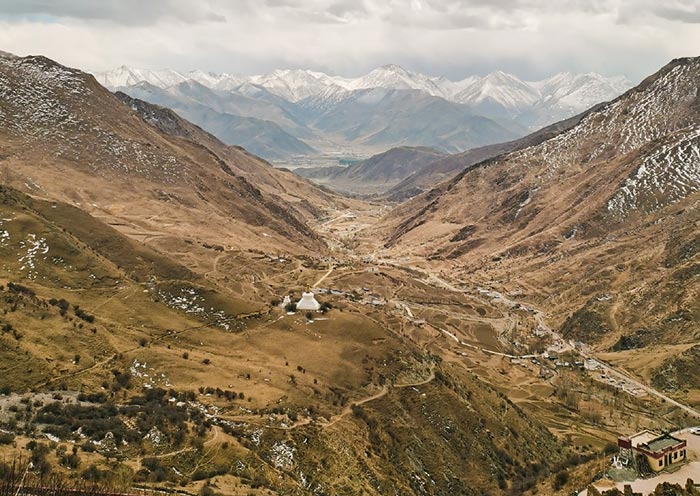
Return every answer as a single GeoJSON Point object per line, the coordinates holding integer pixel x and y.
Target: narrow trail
{"type": "Point", "coordinates": [348, 409]}
{"type": "Point", "coordinates": [323, 278]}
{"type": "Point", "coordinates": [479, 348]}
{"type": "Point", "coordinates": [345, 412]}
{"type": "Point", "coordinates": [430, 378]}
{"type": "Point", "coordinates": [172, 453]}
{"type": "Point", "coordinates": [122, 290]}
{"type": "Point", "coordinates": [384, 391]}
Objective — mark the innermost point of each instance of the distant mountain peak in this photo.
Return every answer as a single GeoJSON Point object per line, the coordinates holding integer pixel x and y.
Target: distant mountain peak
{"type": "Point", "coordinates": [498, 95]}
{"type": "Point", "coordinates": [392, 68]}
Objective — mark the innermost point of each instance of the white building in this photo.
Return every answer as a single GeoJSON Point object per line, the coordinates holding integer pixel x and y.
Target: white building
{"type": "Point", "coordinates": [308, 302]}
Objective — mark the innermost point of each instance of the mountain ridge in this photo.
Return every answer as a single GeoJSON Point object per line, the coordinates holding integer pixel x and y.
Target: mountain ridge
{"type": "Point", "coordinates": [317, 111]}
{"type": "Point", "coordinates": [62, 118]}
{"type": "Point", "coordinates": [503, 89]}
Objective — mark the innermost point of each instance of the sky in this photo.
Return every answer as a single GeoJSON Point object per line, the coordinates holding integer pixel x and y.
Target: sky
{"type": "Point", "coordinates": [532, 39]}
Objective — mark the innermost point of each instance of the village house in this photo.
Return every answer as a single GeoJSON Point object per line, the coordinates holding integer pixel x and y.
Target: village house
{"type": "Point", "coordinates": [661, 451]}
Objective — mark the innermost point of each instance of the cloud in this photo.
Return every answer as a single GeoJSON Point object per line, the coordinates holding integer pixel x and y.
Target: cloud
{"type": "Point", "coordinates": [531, 38]}
{"type": "Point", "coordinates": [652, 12]}
{"type": "Point", "coordinates": [128, 12]}
{"type": "Point", "coordinates": [687, 11]}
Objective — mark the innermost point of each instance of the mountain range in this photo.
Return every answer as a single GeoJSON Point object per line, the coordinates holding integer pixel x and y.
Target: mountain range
{"type": "Point", "coordinates": [174, 169]}
{"type": "Point", "coordinates": [305, 112]}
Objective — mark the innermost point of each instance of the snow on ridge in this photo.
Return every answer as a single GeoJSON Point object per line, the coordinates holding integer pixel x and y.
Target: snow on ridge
{"type": "Point", "coordinates": [653, 122]}
{"type": "Point", "coordinates": [44, 104]}
{"type": "Point", "coordinates": [570, 91]}
{"type": "Point", "coordinates": [666, 176]}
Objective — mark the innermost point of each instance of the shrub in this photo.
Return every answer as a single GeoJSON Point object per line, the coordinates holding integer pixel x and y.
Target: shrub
{"type": "Point", "coordinates": [18, 288]}
{"type": "Point", "coordinates": [62, 305]}
{"type": "Point", "coordinates": [561, 479]}
{"type": "Point", "coordinates": [71, 461]}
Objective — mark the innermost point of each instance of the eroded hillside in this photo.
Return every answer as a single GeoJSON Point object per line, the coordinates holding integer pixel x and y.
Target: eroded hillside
{"type": "Point", "coordinates": [597, 226]}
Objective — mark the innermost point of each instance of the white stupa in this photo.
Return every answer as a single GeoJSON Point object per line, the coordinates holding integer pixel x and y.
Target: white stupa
{"type": "Point", "coordinates": [285, 301]}
{"type": "Point", "coordinates": [308, 302]}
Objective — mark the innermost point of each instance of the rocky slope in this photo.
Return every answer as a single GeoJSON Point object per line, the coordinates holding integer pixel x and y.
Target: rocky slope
{"type": "Point", "coordinates": [447, 167]}
{"type": "Point", "coordinates": [300, 194]}
{"type": "Point", "coordinates": [66, 137]}
{"type": "Point", "coordinates": [599, 222]}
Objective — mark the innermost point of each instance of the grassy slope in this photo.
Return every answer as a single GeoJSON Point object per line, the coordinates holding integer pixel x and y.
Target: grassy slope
{"type": "Point", "coordinates": [287, 369]}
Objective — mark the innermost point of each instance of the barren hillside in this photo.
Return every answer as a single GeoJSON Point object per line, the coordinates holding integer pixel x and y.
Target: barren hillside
{"type": "Point", "coordinates": [597, 225]}
{"type": "Point", "coordinates": [66, 137]}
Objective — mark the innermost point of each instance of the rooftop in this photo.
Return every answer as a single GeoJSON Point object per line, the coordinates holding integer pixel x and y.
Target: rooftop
{"type": "Point", "coordinates": [663, 442]}
{"type": "Point", "coordinates": [643, 437]}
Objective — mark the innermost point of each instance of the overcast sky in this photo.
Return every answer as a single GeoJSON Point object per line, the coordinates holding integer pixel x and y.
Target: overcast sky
{"type": "Point", "coordinates": [455, 38]}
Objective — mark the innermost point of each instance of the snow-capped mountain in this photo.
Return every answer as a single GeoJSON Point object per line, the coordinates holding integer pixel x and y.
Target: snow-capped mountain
{"type": "Point", "coordinates": [580, 91]}
{"type": "Point", "coordinates": [295, 85]}
{"type": "Point", "coordinates": [501, 90]}
{"type": "Point", "coordinates": [497, 92]}
{"type": "Point", "coordinates": [327, 110]}
{"type": "Point", "coordinates": [215, 81]}
{"type": "Point", "coordinates": [394, 77]}
{"type": "Point", "coordinates": [127, 76]}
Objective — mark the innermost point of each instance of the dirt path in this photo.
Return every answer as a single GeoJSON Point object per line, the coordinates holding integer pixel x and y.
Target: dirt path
{"type": "Point", "coordinates": [122, 290]}
{"type": "Point", "coordinates": [384, 391]}
{"type": "Point", "coordinates": [330, 271]}
{"type": "Point", "coordinates": [347, 410]}
{"type": "Point", "coordinates": [430, 378]}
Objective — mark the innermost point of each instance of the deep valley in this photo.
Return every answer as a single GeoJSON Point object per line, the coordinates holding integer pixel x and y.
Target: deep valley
{"type": "Point", "coordinates": [495, 333]}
